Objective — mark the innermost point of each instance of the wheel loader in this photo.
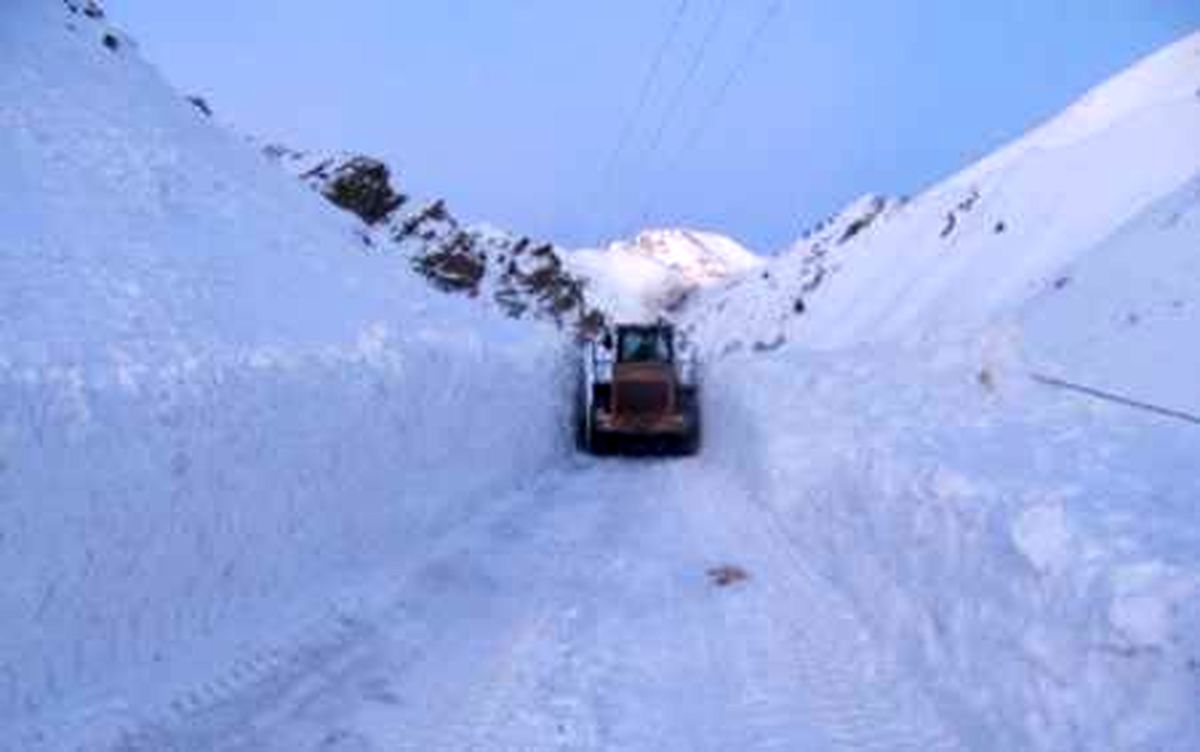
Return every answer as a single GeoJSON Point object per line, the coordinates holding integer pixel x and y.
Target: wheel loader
{"type": "Point", "coordinates": [638, 394]}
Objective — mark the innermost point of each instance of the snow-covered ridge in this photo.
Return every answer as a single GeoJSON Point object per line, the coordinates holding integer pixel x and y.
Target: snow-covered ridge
{"type": "Point", "coordinates": [514, 274]}
{"type": "Point", "coordinates": [583, 290]}
{"type": "Point", "coordinates": [976, 246]}
{"type": "Point", "coordinates": [700, 258]}
{"type": "Point", "coordinates": [654, 273]}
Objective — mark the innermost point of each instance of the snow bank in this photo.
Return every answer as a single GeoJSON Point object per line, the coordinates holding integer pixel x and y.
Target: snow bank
{"type": "Point", "coordinates": [146, 517]}
{"type": "Point", "coordinates": [1031, 552]}
{"type": "Point", "coordinates": [214, 406]}
{"type": "Point", "coordinates": [1033, 559]}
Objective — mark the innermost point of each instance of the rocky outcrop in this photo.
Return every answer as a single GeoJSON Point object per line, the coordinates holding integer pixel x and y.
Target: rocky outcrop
{"type": "Point", "coordinates": [520, 277]}
{"type": "Point", "coordinates": [360, 185]}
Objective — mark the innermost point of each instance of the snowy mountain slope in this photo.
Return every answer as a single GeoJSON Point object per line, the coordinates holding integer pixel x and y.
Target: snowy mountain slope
{"type": "Point", "coordinates": [580, 289]}
{"type": "Point", "coordinates": [652, 274]}
{"type": "Point", "coordinates": [517, 276]}
{"type": "Point", "coordinates": [1028, 547]}
{"type": "Point", "coordinates": [1123, 317]}
{"type": "Point", "coordinates": [154, 226]}
{"type": "Point", "coordinates": [219, 407]}
{"type": "Point", "coordinates": [214, 407]}
{"type": "Point", "coordinates": [977, 245]}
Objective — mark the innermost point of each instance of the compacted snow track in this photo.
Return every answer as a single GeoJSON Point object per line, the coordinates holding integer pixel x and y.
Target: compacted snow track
{"type": "Point", "coordinates": [581, 615]}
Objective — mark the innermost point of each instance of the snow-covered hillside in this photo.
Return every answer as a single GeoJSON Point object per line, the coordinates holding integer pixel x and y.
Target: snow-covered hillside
{"type": "Point", "coordinates": [989, 238]}
{"type": "Point", "coordinates": [655, 272]}
{"type": "Point", "coordinates": [269, 483]}
{"type": "Point", "coordinates": [214, 407]}
{"type": "Point", "coordinates": [979, 413]}
{"type": "Point", "coordinates": [583, 290]}
{"type": "Point", "coordinates": [516, 275]}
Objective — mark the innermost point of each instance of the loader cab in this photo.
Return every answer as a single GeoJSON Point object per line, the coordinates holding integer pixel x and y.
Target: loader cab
{"type": "Point", "coordinates": [645, 344]}
{"type": "Point", "coordinates": [637, 394]}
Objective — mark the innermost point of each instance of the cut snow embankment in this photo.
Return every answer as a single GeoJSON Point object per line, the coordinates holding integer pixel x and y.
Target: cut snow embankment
{"type": "Point", "coordinates": [149, 519]}
{"type": "Point", "coordinates": [214, 408]}
{"type": "Point", "coordinates": [1034, 560]}
{"type": "Point", "coordinates": [1033, 553]}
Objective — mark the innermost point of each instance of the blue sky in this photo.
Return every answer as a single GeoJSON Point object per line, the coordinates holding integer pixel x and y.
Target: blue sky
{"type": "Point", "coordinates": [513, 110]}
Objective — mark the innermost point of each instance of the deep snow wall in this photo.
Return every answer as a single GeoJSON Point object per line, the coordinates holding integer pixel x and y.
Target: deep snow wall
{"type": "Point", "coordinates": [1031, 556]}
{"type": "Point", "coordinates": [143, 517]}
{"type": "Point", "coordinates": [216, 405]}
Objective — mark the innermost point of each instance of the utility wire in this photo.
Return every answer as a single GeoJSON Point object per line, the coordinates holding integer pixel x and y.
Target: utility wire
{"type": "Point", "coordinates": [644, 92]}
{"type": "Point", "coordinates": [694, 65]}
{"type": "Point", "coordinates": [701, 122]}
{"type": "Point", "coordinates": [739, 67]}
{"type": "Point", "coordinates": [1117, 398]}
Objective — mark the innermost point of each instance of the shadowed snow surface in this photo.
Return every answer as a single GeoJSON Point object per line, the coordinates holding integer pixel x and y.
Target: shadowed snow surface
{"type": "Point", "coordinates": [260, 491]}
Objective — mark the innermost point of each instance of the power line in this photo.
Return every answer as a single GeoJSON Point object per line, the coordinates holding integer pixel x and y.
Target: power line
{"type": "Point", "coordinates": [694, 65]}
{"type": "Point", "coordinates": [739, 67]}
{"type": "Point", "coordinates": [644, 92]}
{"type": "Point", "coordinates": [741, 63]}
{"type": "Point", "coordinates": [1117, 398]}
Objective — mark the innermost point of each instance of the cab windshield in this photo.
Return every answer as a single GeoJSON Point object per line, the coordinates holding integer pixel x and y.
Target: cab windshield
{"type": "Point", "coordinates": [643, 345]}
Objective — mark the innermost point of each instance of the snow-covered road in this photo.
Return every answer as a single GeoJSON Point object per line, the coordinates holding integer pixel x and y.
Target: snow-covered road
{"type": "Point", "coordinates": [579, 614]}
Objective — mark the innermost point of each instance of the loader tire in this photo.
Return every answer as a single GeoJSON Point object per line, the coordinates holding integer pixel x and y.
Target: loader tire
{"type": "Point", "coordinates": [689, 444]}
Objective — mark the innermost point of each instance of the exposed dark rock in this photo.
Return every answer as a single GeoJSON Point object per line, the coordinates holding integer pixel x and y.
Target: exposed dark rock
{"type": "Point", "coordinates": [969, 202]}
{"type": "Point", "coordinates": [201, 104]}
{"type": "Point", "coordinates": [951, 223]}
{"type": "Point", "coordinates": [89, 8]}
{"type": "Point", "coordinates": [523, 278]}
{"type": "Point", "coordinates": [454, 267]}
{"type": "Point", "coordinates": [855, 228]}
{"type": "Point", "coordinates": [110, 41]}
{"type": "Point", "coordinates": [727, 574]}
{"type": "Point", "coordinates": [986, 379]}
{"type": "Point", "coordinates": [774, 344]}
{"type": "Point", "coordinates": [363, 186]}
{"type": "Point", "coordinates": [813, 282]}
{"type": "Point", "coordinates": [999, 228]}
{"type": "Point", "coordinates": [963, 206]}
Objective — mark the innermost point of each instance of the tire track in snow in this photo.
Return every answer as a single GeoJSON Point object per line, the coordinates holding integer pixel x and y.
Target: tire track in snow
{"type": "Point", "coordinates": [855, 692]}
{"type": "Point", "coordinates": [580, 619]}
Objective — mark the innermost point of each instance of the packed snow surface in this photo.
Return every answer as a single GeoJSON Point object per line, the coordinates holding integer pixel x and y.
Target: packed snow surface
{"type": "Point", "coordinates": [262, 490]}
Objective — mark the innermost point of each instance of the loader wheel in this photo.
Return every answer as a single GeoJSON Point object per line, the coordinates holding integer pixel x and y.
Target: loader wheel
{"type": "Point", "coordinates": [599, 442]}
{"type": "Point", "coordinates": [582, 439]}
{"type": "Point", "coordinates": [689, 443]}
{"type": "Point", "coordinates": [587, 438]}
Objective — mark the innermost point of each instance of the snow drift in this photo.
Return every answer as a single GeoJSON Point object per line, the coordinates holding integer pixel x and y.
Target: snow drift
{"type": "Point", "coordinates": [212, 403]}
{"type": "Point", "coordinates": [979, 413]}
